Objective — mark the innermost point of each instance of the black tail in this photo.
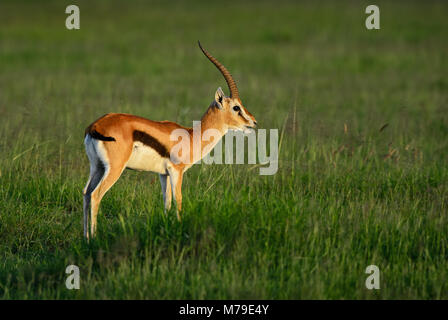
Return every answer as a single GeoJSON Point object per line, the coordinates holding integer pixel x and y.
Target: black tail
{"type": "Point", "coordinates": [96, 135]}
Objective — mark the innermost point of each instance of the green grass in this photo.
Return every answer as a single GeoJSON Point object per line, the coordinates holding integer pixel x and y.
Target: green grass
{"type": "Point", "coordinates": [347, 194]}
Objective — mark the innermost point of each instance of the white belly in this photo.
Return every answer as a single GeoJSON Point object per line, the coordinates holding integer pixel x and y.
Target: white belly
{"type": "Point", "coordinates": [146, 159]}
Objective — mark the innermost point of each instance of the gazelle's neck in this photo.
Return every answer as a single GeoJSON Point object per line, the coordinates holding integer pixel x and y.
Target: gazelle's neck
{"type": "Point", "coordinates": [212, 129]}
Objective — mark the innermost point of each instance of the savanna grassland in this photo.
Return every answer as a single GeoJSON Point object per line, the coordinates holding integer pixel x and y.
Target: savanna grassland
{"type": "Point", "coordinates": [363, 173]}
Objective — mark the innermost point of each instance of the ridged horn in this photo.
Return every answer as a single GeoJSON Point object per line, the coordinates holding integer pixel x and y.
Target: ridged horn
{"type": "Point", "coordinates": [229, 79]}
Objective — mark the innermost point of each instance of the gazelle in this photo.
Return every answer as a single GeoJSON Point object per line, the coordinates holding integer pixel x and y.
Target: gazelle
{"type": "Point", "coordinates": [117, 141]}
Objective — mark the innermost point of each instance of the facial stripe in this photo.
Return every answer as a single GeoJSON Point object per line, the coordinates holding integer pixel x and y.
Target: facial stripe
{"type": "Point", "coordinates": [243, 114]}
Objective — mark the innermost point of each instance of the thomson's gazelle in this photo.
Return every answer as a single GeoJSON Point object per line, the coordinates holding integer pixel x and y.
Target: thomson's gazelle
{"type": "Point", "coordinates": [117, 141]}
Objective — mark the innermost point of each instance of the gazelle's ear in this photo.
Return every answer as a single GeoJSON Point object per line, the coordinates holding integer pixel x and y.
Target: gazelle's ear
{"type": "Point", "coordinates": [219, 96]}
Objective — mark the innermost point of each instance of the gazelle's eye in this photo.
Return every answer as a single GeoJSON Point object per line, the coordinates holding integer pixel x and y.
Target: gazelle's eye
{"type": "Point", "coordinates": [236, 108]}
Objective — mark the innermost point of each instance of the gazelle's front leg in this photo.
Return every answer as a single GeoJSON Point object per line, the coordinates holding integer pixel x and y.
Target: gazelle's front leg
{"type": "Point", "coordinates": [176, 187]}
{"type": "Point", "coordinates": [166, 191]}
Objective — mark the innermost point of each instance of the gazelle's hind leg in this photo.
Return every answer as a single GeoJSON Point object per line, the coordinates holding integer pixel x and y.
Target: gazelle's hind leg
{"type": "Point", "coordinates": [166, 191]}
{"type": "Point", "coordinates": [107, 162]}
{"type": "Point", "coordinates": [114, 155]}
{"type": "Point", "coordinates": [96, 174]}
{"type": "Point", "coordinates": [110, 177]}
{"type": "Point", "coordinates": [86, 206]}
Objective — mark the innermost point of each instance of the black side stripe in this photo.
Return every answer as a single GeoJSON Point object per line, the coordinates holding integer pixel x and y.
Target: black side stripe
{"type": "Point", "coordinates": [151, 142]}
{"type": "Point", "coordinates": [96, 135]}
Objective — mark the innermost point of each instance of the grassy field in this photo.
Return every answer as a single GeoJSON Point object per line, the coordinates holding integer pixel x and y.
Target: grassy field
{"type": "Point", "coordinates": [363, 172]}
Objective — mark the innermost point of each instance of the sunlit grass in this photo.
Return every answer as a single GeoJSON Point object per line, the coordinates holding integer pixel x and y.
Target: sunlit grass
{"type": "Point", "coordinates": [362, 173]}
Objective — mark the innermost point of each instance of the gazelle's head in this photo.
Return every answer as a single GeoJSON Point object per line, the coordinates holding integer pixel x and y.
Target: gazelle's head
{"type": "Point", "coordinates": [233, 113]}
